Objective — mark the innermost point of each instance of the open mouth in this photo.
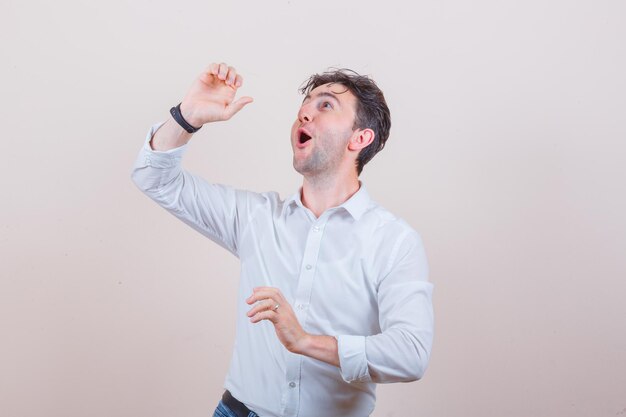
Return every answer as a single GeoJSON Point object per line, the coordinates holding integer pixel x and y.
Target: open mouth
{"type": "Point", "coordinates": [303, 138]}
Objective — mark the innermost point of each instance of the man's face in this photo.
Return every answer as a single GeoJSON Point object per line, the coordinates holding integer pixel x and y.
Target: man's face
{"type": "Point", "coordinates": [320, 134]}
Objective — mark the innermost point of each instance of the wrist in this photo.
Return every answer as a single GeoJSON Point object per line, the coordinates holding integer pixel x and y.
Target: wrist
{"type": "Point", "coordinates": [190, 115]}
{"type": "Point", "coordinates": [320, 347]}
{"type": "Point", "coordinates": [169, 136]}
{"type": "Point", "coordinates": [302, 345]}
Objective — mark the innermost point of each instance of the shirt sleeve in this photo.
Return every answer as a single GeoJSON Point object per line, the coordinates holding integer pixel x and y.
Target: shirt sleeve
{"type": "Point", "coordinates": [217, 211]}
{"type": "Point", "coordinates": [400, 353]}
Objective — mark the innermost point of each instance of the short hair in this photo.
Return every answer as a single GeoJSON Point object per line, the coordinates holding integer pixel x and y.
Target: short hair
{"type": "Point", "coordinates": [371, 111]}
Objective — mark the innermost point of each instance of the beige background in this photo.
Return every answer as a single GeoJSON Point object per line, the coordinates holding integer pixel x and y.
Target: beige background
{"type": "Point", "coordinates": [507, 153]}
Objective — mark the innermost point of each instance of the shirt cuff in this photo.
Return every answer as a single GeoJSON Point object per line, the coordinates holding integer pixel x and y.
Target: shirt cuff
{"type": "Point", "coordinates": [160, 159]}
{"type": "Point", "coordinates": [352, 358]}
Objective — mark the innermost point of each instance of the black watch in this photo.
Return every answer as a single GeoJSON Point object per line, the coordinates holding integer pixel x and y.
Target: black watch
{"type": "Point", "coordinates": [175, 112]}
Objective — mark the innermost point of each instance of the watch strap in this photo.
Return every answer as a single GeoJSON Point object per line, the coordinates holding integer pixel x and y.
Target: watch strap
{"type": "Point", "coordinates": [176, 114]}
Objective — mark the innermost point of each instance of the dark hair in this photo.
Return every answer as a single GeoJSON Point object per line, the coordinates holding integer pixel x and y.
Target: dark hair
{"type": "Point", "coordinates": [371, 111]}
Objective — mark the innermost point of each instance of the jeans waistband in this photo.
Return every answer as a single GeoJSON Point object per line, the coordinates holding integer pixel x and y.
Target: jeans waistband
{"type": "Point", "coordinates": [235, 405]}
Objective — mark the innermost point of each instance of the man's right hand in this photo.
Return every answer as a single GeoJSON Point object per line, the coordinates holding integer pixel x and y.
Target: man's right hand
{"type": "Point", "coordinates": [211, 97]}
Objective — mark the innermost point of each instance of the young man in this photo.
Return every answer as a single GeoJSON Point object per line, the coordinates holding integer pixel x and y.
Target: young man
{"type": "Point", "coordinates": [333, 294]}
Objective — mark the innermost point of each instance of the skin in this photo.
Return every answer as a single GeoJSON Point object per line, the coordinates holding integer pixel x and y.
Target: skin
{"type": "Point", "coordinates": [327, 163]}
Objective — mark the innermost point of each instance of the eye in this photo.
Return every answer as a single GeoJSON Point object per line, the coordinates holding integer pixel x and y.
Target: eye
{"type": "Point", "coordinates": [326, 105]}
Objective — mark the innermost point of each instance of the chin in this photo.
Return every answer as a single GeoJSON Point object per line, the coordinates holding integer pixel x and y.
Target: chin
{"type": "Point", "coordinates": [297, 167]}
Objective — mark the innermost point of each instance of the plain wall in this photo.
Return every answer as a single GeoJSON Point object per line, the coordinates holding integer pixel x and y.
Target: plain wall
{"type": "Point", "coordinates": [507, 153]}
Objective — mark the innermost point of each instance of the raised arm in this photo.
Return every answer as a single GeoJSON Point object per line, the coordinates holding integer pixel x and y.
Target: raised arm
{"type": "Point", "coordinates": [218, 212]}
{"type": "Point", "coordinates": [211, 98]}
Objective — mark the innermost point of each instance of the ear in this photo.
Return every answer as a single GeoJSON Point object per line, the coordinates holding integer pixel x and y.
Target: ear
{"type": "Point", "coordinates": [361, 139]}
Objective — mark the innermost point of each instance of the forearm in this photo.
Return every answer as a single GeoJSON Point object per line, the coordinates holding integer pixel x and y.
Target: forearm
{"type": "Point", "coordinates": [323, 348]}
{"type": "Point", "coordinates": [404, 358]}
{"type": "Point", "coordinates": [169, 136]}
{"type": "Point", "coordinates": [398, 355]}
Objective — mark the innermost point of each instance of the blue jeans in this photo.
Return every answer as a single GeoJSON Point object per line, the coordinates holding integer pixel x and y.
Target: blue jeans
{"type": "Point", "coordinates": [223, 411]}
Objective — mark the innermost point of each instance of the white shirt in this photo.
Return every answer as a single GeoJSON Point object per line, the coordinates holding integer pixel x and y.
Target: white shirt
{"type": "Point", "coordinates": [357, 272]}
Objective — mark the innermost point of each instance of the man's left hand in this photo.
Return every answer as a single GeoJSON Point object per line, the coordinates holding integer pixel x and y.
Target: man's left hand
{"type": "Point", "coordinates": [271, 305]}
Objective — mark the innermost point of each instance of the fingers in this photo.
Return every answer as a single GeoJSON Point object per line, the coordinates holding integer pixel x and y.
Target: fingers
{"type": "Point", "coordinates": [262, 293]}
{"type": "Point", "coordinates": [264, 305]}
{"type": "Point", "coordinates": [214, 68]}
{"type": "Point", "coordinates": [226, 73]}
{"type": "Point", "coordinates": [236, 105]}
{"type": "Point", "coordinates": [265, 315]}
{"type": "Point", "coordinates": [268, 303]}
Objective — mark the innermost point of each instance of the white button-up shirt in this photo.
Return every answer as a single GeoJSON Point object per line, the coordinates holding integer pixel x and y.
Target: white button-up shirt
{"type": "Point", "coordinates": [357, 272]}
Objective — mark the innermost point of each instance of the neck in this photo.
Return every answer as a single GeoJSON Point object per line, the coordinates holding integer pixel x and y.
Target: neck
{"type": "Point", "coordinates": [320, 194]}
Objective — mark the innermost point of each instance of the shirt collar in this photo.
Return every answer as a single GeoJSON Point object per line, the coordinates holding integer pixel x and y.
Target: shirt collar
{"type": "Point", "coordinates": [356, 205]}
{"type": "Point", "coordinates": [292, 200]}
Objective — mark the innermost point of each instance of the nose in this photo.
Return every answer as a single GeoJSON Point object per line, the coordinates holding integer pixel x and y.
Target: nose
{"type": "Point", "coordinates": [304, 115]}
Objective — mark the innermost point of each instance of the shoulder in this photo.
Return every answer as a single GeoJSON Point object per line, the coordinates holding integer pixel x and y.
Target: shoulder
{"type": "Point", "coordinates": [395, 240]}
{"type": "Point", "coordinates": [269, 202]}
{"type": "Point", "coordinates": [385, 223]}
{"type": "Point", "coordinates": [269, 198]}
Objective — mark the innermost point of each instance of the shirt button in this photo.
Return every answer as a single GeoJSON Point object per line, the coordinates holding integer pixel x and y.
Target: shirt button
{"type": "Point", "coordinates": [308, 267]}
{"type": "Point", "coordinates": [292, 384]}
{"type": "Point", "coordinates": [316, 229]}
{"type": "Point", "coordinates": [301, 306]}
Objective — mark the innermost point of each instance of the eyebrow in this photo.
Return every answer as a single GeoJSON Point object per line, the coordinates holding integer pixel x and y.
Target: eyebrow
{"type": "Point", "coordinates": [323, 94]}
